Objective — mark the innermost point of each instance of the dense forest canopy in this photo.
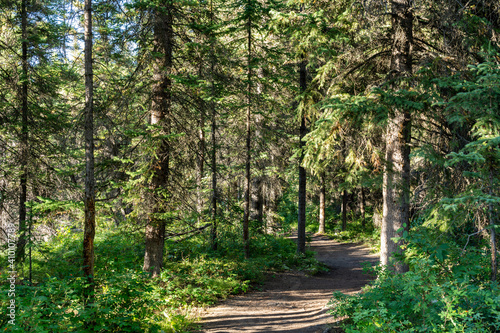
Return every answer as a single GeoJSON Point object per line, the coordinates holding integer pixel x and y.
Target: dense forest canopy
{"type": "Point", "coordinates": [223, 123]}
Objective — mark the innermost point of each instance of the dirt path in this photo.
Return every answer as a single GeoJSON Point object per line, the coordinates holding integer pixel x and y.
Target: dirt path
{"type": "Point", "coordinates": [293, 301]}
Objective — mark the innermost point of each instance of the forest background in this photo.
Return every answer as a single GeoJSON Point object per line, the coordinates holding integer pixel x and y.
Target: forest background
{"type": "Point", "coordinates": [153, 153]}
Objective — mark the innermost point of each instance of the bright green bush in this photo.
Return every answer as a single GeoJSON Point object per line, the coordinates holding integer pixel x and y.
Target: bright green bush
{"type": "Point", "coordinates": [446, 290]}
{"type": "Point", "coordinates": [55, 303]}
{"type": "Point", "coordinates": [418, 302]}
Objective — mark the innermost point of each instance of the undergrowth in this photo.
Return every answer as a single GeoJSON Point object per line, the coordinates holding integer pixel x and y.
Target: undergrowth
{"type": "Point", "coordinates": [446, 290]}
{"type": "Point", "coordinates": [127, 299]}
{"type": "Point", "coordinates": [420, 301]}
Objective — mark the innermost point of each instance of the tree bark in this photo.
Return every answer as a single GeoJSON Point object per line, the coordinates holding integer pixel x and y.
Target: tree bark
{"type": "Point", "coordinates": [493, 242]}
{"type": "Point", "coordinates": [344, 210]}
{"type": "Point", "coordinates": [362, 208]}
{"type": "Point", "coordinates": [201, 157]}
{"type": "Point", "coordinates": [257, 193]}
{"type": "Point", "coordinates": [396, 183]}
{"type": "Point", "coordinates": [89, 224]}
{"type": "Point", "coordinates": [257, 203]}
{"type": "Point", "coordinates": [322, 196]}
{"type": "Point", "coordinates": [246, 217]}
{"type": "Point", "coordinates": [160, 116]}
{"type": "Point", "coordinates": [213, 137]}
{"type": "Point", "coordinates": [214, 179]}
{"type": "Point", "coordinates": [301, 223]}
{"type": "Point", "coordinates": [23, 181]}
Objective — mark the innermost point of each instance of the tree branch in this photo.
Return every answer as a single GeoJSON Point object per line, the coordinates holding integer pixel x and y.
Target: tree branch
{"type": "Point", "coordinates": [366, 61]}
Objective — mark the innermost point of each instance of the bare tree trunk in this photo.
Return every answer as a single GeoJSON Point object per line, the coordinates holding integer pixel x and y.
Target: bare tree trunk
{"type": "Point", "coordinates": [214, 141]}
{"type": "Point", "coordinates": [493, 242]}
{"type": "Point", "coordinates": [89, 225]}
{"type": "Point", "coordinates": [344, 210]}
{"type": "Point", "coordinates": [257, 192]}
{"type": "Point", "coordinates": [160, 116]}
{"type": "Point", "coordinates": [199, 178]}
{"type": "Point", "coordinates": [301, 224]}
{"type": "Point", "coordinates": [257, 202]}
{"type": "Point", "coordinates": [201, 158]}
{"type": "Point", "coordinates": [246, 217]}
{"type": "Point", "coordinates": [23, 186]}
{"type": "Point", "coordinates": [396, 183]}
{"type": "Point", "coordinates": [214, 180]}
{"type": "Point", "coordinates": [322, 196]}
{"type": "Point", "coordinates": [362, 208]}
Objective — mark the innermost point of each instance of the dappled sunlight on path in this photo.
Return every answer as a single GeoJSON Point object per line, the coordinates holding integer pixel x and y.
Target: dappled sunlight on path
{"type": "Point", "coordinates": [293, 301]}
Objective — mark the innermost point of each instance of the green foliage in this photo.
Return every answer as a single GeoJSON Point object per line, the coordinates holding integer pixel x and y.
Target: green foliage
{"type": "Point", "coordinates": [287, 209]}
{"type": "Point", "coordinates": [446, 290]}
{"type": "Point", "coordinates": [126, 299]}
{"type": "Point", "coordinates": [55, 303]}
{"type": "Point", "coordinates": [420, 301]}
{"type": "Point", "coordinates": [475, 104]}
{"type": "Point", "coordinates": [347, 50]}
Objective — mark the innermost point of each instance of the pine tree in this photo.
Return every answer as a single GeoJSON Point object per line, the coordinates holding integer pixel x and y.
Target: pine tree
{"type": "Point", "coordinates": [301, 223]}
{"type": "Point", "coordinates": [396, 214]}
{"type": "Point", "coordinates": [24, 140]}
{"type": "Point", "coordinates": [89, 224]}
{"type": "Point", "coordinates": [159, 187]}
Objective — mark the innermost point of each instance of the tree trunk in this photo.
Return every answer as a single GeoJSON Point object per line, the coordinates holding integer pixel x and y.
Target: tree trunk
{"type": "Point", "coordinates": [257, 203]}
{"type": "Point", "coordinates": [89, 224]}
{"type": "Point", "coordinates": [322, 196]}
{"type": "Point", "coordinates": [493, 242]}
{"type": "Point", "coordinates": [301, 223]}
{"type": "Point", "coordinates": [362, 208]}
{"type": "Point", "coordinates": [160, 116]}
{"type": "Point", "coordinates": [214, 141]}
{"type": "Point", "coordinates": [199, 178]}
{"type": "Point", "coordinates": [246, 217]}
{"type": "Point", "coordinates": [344, 210]}
{"type": "Point", "coordinates": [396, 183]}
{"type": "Point", "coordinates": [23, 181]}
{"type": "Point", "coordinates": [214, 179]}
{"type": "Point", "coordinates": [201, 157]}
{"type": "Point", "coordinates": [257, 193]}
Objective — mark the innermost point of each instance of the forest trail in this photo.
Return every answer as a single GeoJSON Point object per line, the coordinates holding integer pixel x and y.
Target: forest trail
{"type": "Point", "coordinates": [293, 301]}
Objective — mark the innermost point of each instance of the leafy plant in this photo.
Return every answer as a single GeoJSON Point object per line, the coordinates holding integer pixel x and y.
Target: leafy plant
{"type": "Point", "coordinates": [420, 301]}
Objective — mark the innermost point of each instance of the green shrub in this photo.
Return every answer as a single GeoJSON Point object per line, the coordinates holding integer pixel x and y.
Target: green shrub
{"type": "Point", "coordinates": [422, 300]}
{"type": "Point", "coordinates": [128, 300]}
{"type": "Point", "coordinates": [57, 305]}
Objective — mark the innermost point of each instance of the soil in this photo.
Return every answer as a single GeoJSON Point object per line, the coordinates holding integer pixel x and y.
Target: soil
{"type": "Point", "coordinates": [293, 301]}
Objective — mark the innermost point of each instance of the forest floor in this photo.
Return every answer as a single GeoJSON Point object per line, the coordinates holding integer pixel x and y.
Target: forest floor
{"type": "Point", "coordinates": [293, 301]}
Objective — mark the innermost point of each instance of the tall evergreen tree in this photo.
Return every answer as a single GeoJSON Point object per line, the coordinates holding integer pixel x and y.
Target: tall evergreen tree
{"type": "Point", "coordinates": [213, 130]}
{"type": "Point", "coordinates": [163, 39]}
{"type": "Point", "coordinates": [89, 201]}
{"type": "Point", "coordinates": [24, 142]}
{"type": "Point", "coordinates": [396, 186]}
{"type": "Point", "coordinates": [246, 237]}
{"type": "Point", "coordinates": [301, 223]}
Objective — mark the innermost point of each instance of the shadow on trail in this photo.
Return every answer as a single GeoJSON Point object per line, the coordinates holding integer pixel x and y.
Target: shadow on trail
{"type": "Point", "coordinates": [278, 321]}
{"type": "Point", "coordinates": [293, 301]}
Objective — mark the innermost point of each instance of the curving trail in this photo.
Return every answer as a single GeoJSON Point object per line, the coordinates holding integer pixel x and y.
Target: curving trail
{"type": "Point", "coordinates": [293, 301]}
